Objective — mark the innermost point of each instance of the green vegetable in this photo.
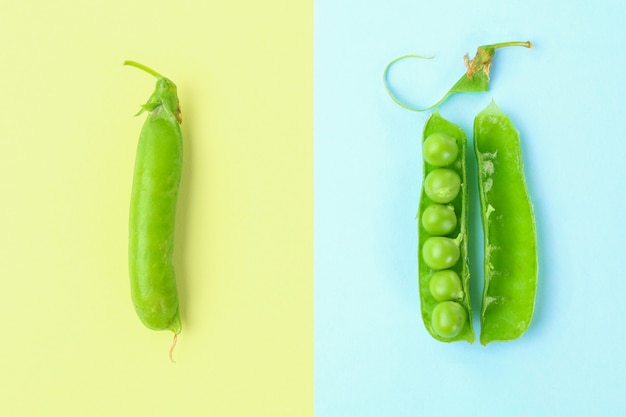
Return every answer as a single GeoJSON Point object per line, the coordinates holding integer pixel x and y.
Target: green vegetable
{"type": "Point", "coordinates": [475, 79]}
{"type": "Point", "coordinates": [446, 286]}
{"type": "Point", "coordinates": [509, 229]}
{"type": "Point", "coordinates": [440, 252]}
{"type": "Point", "coordinates": [507, 216]}
{"type": "Point", "coordinates": [158, 166]}
{"type": "Point", "coordinates": [448, 319]}
{"type": "Point", "coordinates": [442, 185]}
{"type": "Point", "coordinates": [439, 219]}
{"type": "Point", "coordinates": [440, 149]}
{"type": "Point", "coordinates": [442, 243]}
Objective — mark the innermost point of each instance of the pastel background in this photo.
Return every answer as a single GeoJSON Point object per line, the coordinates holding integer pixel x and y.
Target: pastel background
{"type": "Point", "coordinates": [71, 343]}
{"type": "Point", "coordinates": [373, 356]}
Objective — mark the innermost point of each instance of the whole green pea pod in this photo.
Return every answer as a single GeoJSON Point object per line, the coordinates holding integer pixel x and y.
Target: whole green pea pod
{"type": "Point", "coordinates": [157, 174]}
{"type": "Point", "coordinates": [443, 266]}
{"type": "Point", "coordinates": [510, 240]}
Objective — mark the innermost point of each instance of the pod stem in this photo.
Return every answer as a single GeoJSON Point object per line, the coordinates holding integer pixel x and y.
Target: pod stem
{"type": "Point", "coordinates": [143, 68]}
{"type": "Point", "coordinates": [526, 44]}
{"type": "Point", "coordinates": [172, 348]}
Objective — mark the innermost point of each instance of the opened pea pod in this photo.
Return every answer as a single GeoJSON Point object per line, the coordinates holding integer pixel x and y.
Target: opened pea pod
{"type": "Point", "coordinates": [510, 244]}
{"type": "Point", "coordinates": [158, 166]}
{"type": "Point", "coordinates": [442, 233]}
{"type": "Point", "coordinates": [510, 247]}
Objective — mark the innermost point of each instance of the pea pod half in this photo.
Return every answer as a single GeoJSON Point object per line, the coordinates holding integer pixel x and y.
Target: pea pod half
{"type": "Point", "coordinates": [509, 229]}
{"type": "Point", "coordinates": [442, 233]}
{"type": "Point", "coordinates": [158, 167]}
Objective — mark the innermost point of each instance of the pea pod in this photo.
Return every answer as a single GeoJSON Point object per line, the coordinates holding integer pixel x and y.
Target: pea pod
{"type": "Point", "coordinates": [442, 233]}
{"type": "Point", "coordinates": [158, 166]}
{"type": "Point", "coordinates": [509, 229]}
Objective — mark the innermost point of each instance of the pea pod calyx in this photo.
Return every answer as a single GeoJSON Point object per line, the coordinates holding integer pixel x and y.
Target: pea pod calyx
{"type": "Point", "coordinates": [484, 57]}
{"type": "Point", "coordinates": [164, 95]}
{"type": "Point", "coordinates": [475, 79]}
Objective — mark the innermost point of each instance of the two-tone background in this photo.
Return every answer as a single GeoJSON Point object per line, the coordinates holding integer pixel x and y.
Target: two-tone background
{"type": "Point", "coordinates": [296, 232]}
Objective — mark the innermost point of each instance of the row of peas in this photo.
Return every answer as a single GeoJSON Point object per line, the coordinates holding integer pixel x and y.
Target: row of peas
{"type": "Point", "coordinates": [443, 234]}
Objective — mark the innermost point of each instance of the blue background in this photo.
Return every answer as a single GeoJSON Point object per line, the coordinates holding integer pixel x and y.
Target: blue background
{"type": "Point", "coordinates": [566, 96]}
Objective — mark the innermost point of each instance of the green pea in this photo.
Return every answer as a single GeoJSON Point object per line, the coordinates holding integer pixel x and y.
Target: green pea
{"type": "Point", "coordinates": [439, 220]}
{"type": "Point", "coordinates": [440, 150]}
{"type": "Point", "coordinates": [448, 319]}
{"type": "Point", "coordinates": [510, 241]}
{"type": "Point", "coordinates": [158, 167]}
{"type": "Point", "coordinates": [440, 252]}
{"type": "Point", "coordinates": [446, 285]}
{"type": "Point", "coordinates": [442, 185]}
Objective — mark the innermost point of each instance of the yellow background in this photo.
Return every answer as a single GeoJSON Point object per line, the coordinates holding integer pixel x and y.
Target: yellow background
{"type": "Point", "coordinates": [71, 343]}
